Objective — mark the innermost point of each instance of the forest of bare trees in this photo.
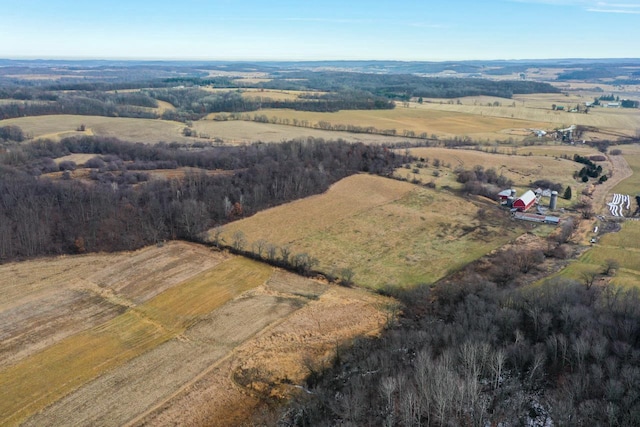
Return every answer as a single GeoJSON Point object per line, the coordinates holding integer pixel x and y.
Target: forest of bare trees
{"type": "Point", "coordinates": [472, 353]}
{"type": "Point", "coordinates": [121, 209]}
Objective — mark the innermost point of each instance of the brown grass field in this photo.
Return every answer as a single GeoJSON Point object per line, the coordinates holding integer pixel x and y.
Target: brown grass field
{"type": "Point", "coordinates": [254, 93]}
{"type": "Point", "coordinates": [242, 132]}
{"type": "Point", "coordinates": [388, 232]}
{"type": "Point", "coordinates": [523, 170]}
{"type": "Point", "coordinates": [511, 121]}
{"type": "Point", "coordinates": [534, 111]}
{"type": "Point", "coordinates": [108, 339]}
{"type": "Point", "coordinates": [631, 185]}
{"type": "Point", "coordinates": [439, 121]}
{"type": "Point", "coordinates": [622, 246]}
{"type": "Point", "coordinates": [136, 130]}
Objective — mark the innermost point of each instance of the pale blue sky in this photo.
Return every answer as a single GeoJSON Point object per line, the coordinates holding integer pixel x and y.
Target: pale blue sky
{"type": "Point", "coordinates": [319, 30]}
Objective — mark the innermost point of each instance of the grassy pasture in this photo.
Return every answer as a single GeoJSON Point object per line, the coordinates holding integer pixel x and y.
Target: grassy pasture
{"type": "Point", "coordinates": [534, 111]}
{"type": "Point", "coordinates": [241, 132]}
{"type": "Point", "coordinates": [255, 93]}
{"type": "Point", "coordinates": [388, 232]}
{"type": "Point", "coordinates": [442, 122]}
{"type": "Point", "coordinates": [136, 130]}
{"type": "Point", "coordinates": [523, 170]}
{"type": "Point", "coordinates": [631, 185]}
{"type": "Point", "coordinates": [623, 246]}
{"type": "Point", "coordinates": [78, 158]}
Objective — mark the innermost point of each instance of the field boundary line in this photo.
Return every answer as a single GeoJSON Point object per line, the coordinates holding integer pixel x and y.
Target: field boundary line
{"type": "Point", "coordinates": [217, 363]}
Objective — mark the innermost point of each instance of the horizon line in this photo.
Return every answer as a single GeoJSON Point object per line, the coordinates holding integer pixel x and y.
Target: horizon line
{"type": "Point", "coordinates": [257, 60]}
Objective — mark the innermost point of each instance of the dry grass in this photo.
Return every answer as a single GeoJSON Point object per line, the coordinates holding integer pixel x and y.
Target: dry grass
{"type": "Point", "coordinates": [137, 130]}
{"type": "Point", "coordinates": [623, 246]}
{"type": "Point", "coordinates": [388, 232]}
{"type": "Point", "coordinates": [152, 323]}
{"type": "Point", "coordinates": [534, 111]}
{"type": "Point", "coordinates": [522, 169]}
{"type": "Point", "coordinates": [418, 118]}
{"type": "Point", "coordinates": [78, 159]}
{"type": "Point", "coordinates": [241, 132]}
{"type": "Point", "coordinates": [253, 93]}
{"type": "Point", "coordinates": [267, 365]}
{"type": "Point", "coordinates": [631, 185]}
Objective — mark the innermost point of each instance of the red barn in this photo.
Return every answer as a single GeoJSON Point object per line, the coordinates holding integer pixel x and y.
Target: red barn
{"type": "Point", "coordinates": [505, 194]}
{"type": "Point", "coordinates": [525, 201]}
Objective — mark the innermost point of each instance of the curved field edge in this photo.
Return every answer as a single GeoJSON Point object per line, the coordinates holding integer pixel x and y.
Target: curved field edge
{"type": "Point", "coordinates": [230, 317]}
{"type": "Point", "coordinates": [385, 231]}
{"type": "Point", "coordinates": [274, 364]}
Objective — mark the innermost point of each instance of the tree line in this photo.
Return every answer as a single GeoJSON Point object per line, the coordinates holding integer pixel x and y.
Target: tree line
{"type": "Point", "coordinates": [40, 216]}
{"type": "Point", "coordinates": [475, 353]}
{"type": "Point", "coordinates": [403, 86]}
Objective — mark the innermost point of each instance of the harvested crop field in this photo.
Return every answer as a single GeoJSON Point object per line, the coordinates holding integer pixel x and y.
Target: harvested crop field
{"type": "Point", "coordinates": [107, 339]}
{"type": "Point", "coordinates": [387, 232]}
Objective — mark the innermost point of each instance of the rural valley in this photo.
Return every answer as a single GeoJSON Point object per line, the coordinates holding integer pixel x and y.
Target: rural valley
{"type": "Point", "coordinates": [217, 243]}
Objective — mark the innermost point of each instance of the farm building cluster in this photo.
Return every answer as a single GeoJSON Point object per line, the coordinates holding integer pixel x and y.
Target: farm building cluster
{"type": "Point", "coordinates": [520, 205]}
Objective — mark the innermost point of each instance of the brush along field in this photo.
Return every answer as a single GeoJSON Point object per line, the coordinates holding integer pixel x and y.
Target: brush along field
{"type": "Point", "coordinates": [256, 93]}
{"type": "Point", "coordinates": [238, 132]}
{"type": "Point", "coordinates": [151, 131]}
{"type": "Point", "coordinates": [108, 339]}
{"type": "Point", "coordinates": [386, 231]}
{"type": "Point", "coordinates": [622, 246]}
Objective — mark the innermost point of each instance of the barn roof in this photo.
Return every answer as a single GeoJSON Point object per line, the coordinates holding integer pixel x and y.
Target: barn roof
{"type": "Point", "coordinates": [527, 198]}
{"type": "Point", "coordinates": [505, 193]}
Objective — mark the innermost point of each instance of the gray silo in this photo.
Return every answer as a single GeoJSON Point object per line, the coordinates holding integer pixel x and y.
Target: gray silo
{"type": "Point", "coordinates": [554, 200]}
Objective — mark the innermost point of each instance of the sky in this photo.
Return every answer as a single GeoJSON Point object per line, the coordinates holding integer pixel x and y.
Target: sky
{"type": "Point", "coordinates": [253, 30]}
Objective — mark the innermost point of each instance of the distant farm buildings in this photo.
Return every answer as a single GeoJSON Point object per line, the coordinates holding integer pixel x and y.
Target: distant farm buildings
{"type": "Point", "coordinates": [546, 219]}
{"type": "Point", "coordinates": [520, 205]}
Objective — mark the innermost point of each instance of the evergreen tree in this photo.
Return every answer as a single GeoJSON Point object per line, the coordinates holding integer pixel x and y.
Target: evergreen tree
{"type": "Point", "coordinates": [567, 193]}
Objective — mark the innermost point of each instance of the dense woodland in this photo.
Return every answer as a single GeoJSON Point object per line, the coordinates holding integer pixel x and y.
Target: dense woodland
{"type": "Point", "coordinates": [473, 353]}
{"type": "Point", "coordinates": [405, 86]}
{"type": "Point", "coordinates": [329, 92]}
{"type": "Point", "coordinates": [120, 209]}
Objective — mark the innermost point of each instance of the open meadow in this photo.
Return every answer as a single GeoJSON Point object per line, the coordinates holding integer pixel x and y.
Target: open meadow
{"type": "Point", "coordinates": [481, 118]}
{"type": "Point", "coordinates": [622, 246]}
{"type": "Point", "coordinates": [110, 339]}
{"type": "Point", "coordinates": [237, 132]}
{"type": "Point", "coordinates": [387, 232]}
{"type": "Point", "coordinates": [631, 185]}
{"type": "Point", "coordinates": [418, 119]}
{"type": "Point", "coordinates": [523, 170]}
{"type": "Point", "coordinates": [535, 111]}
{"type": "Point", "coordinates": [56, 127]}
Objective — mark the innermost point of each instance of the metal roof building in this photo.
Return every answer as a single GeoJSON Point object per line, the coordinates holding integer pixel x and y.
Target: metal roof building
{"type": "Point", "coordinates": [525, 201]}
